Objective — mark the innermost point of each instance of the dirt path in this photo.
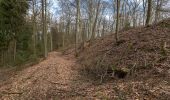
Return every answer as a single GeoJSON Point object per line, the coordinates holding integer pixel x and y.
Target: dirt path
{"type": "Point", "coordinates": [53, 78]}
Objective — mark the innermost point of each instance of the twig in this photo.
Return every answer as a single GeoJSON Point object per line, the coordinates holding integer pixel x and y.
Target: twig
{"type": "Point", "coordinates": [56, 83]}
{"type": "Point", "coordinates": [9, 93]}
{"type": "Point", "coordinates": [99, 62]}
{"type": "Point", "coordinates": [132, 70]}
{"type": "Point", "coordinates": [72, 92]}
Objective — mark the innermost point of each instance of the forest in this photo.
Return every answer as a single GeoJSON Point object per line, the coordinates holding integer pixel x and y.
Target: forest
{"type": "Point", "coordinates": [84, 49]}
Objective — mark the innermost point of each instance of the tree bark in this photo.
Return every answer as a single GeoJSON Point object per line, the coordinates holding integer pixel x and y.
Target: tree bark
{"type": "Point", "coordinates": [157, 11]}
{"type": "Point", "coordinates": [44, 27]}
{"type": "Point", "coordinates": [117, 22]}
{"type": "Point", "coordinates": [77, 26]}
{"type": "Point", "coordinates": [149, 12]}
{"type": "Point", "coordinates": [95, 21]}
{"type": "Point", "coordinates": [15, 49]}
{"type": "Point", "coordinates": [34, 27]}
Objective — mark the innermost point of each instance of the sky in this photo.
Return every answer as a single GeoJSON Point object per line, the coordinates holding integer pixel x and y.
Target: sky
{"type": "Point", "coordinates": [55, 7]}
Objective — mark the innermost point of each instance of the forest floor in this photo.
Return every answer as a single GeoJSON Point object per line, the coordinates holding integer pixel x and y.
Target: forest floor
{"type": "Point", "coordinates": [144, 51]}
{"type": "Point", "coordinates": [58, 78]}
{"type": "Point", "coordinates": [55, 78]}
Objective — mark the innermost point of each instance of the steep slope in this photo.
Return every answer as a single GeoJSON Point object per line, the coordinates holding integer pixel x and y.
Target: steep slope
{"type": "Point", "coordinates": [144, 47]}
{"type": "Point", "coordinates": [142, 57]}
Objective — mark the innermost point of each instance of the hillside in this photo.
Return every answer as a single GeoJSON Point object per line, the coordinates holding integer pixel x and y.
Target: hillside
{"type": "Point", "coordinates": [141, 58]}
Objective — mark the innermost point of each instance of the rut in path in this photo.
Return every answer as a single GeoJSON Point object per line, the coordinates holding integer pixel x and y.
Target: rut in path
{"type": "Point", "coordinates": [55, 77]}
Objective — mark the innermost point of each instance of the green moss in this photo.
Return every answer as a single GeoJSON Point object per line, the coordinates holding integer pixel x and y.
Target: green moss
{"type": "Point", "coordinates": [120, 72]}
{"type": "Point", "coordinates": [102, 96]}
{"type": "Point", "coordinates": [165, 25]}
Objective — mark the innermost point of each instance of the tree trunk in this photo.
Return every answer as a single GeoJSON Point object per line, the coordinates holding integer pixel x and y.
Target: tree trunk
{"type": "Point", "coordinates": [77, 26]}
{"type": "Point", "coordinates": [144, 11]}
{"type": "Point", "coordinates": [44, 27]}
{"type": "Point", "coordinates": [95, 21]}
{"type": "Point", "coordinates": [149, 12]}
{"type": "Point", "coordinates": [157, 11]}
{"type": "Point", "coordinates": [51, 37]}
{"type": "Point", "coordinates": [117, 22]}
{"type": "Point", "coordinates": [15, 49]}
{"type": "Point", "coordinates": [90, 8]}
{"type": "Point", "coordinates": [34, 27]}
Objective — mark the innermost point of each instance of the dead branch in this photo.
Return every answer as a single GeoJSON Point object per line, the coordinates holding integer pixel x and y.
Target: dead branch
{"type": "Point", "coordinates": [56, 83]}
{"type": "Point", "coordinates": [11, 93]}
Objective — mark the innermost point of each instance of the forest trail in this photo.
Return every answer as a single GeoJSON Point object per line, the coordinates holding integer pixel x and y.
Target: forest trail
{"type": "Point", "coordinates": [55, 77]}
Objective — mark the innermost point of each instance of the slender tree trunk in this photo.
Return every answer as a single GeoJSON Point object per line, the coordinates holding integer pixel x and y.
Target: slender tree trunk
{"type": "Point", "coordinates": [149, 12]}
{"type": "Point", "coordinates": [122, 17]}
{"type": "Point", "coordinates": [90, 8]}
{"type": "Point", "coordinates": [103, 29]}
{"type": "Point", "coordinates": [34, 27]}
{"type": "Point", "coordinates": [45, 32]}
{"type": "Point", "coordinates": [83, 32]}
{"type": "Point", "coordinates": [144, 11]}
{"type": "Point", "coordinates": [1, 57]}
{"type": "Point", "coordinates": [15, 49]}
{"type": "Point", "coordinates": [95, 21]}
{"type": "Point", "coordinates": [63, 44]}
{"type": "Point", "coordinates": [117, 22]}
{"type": "Point", "coordinates": [157, 11]}
{"type": "Point", "coordinates": [98, 27]}
{"type": "Point", "coordinates": [77, 26]}
{"type": "Point", "coordinates": [44, 27]}
{"type": "Point", "coordinates": [51, 37]}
